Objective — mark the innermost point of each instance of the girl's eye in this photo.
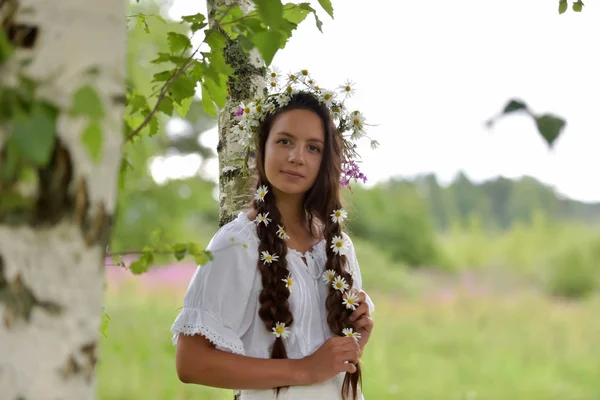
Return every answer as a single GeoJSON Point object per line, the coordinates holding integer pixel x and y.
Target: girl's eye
{"type": "Point", "coordinates": [283, 141]}
{"type": "Point", "coordinates": [315, 149]}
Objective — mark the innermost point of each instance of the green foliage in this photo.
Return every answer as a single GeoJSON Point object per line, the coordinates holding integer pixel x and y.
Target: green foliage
{"type": "Point", "coordinates": [394, 217]}
{"type": "Point", "coordinates": [573, 274]}
{"type": "Point", "coordinates": [104, 324]}
{"type": "Point", "coordinates": [563, 5]}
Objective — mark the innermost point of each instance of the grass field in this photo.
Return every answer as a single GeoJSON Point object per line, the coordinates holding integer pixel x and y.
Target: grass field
{"type": "Point", "coordinates": [452, 345]}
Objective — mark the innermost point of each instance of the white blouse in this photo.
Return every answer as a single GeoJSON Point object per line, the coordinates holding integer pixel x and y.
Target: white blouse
{"type": "Point", "coordinates": [221, 304]}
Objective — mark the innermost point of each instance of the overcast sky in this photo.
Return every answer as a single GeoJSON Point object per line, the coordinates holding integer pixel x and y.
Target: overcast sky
{"type": "Point", "coordinates": [430, 73]}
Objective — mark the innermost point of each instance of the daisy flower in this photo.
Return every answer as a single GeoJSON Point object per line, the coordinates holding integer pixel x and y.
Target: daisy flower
{"type": "Point", "coordinates": [273, 73]}
{"type": "Point", "coordinates": [339, 245]}
{"type": "Point", "coordinates": [350, 301]}
{"type": "Point", "coordinates": [348, 332]}
{"type": "Point", "coordinates": [268, 258]}
{"type": "Point", "coordinates": [281, 233]}
{"type": "Point", "coordinates": [340, 284]}
{"type": "Point", "coordinates": [280, 330]}
{"type": "Point", "coordinates": [327, 97]}
{"type": "Point", "coordinates": [339, 215]}
{"type": "Point", "coordinates": [328, 275]}
{"type": "Point", "coordinates": [262, 218]}
{"type": "Point", "coordinates": [261, 192]}
{"type": "Point", "coordinates": [357, 121]}
{"type": "Point", "coordinates": [347, 88]}
{"type": "Point", "coordinates": [288, 282]}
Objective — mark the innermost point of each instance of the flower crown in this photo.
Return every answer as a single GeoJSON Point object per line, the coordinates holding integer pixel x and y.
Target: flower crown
{"type": "Point", "coordinates": [350, 124]}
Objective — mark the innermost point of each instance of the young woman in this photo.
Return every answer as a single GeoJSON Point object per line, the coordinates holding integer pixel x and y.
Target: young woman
{"type": "Point", "coordinates": [279, 312]}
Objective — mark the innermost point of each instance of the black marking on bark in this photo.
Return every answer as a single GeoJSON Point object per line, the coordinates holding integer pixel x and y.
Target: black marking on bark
{"type": "Point", "coordinates": [19, 301]}
{"type": "Point", "coordinates": [20, 35]}
{"type": "Point", "coordinates": [87, 365]}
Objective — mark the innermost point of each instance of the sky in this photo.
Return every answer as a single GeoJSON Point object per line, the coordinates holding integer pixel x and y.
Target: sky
{"type": "Point", "coordinates": [428, 74]}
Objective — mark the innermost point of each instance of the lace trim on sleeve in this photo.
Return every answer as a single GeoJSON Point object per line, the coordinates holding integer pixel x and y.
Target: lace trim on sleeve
{"type": "Point", "coordinates": [194, 321]}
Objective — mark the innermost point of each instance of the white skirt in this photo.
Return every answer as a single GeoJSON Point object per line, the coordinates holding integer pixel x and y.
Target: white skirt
{"type": "Point", "coordinates": [330, 389]}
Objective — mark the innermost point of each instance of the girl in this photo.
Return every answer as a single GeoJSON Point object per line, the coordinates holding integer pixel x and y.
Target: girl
{"type": "Point", "coordinates": [279, 313]}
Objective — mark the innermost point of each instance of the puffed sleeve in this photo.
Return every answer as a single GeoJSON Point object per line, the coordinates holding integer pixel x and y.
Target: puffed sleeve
{"type": "Point", "coordinates": [220, 301]}
{"type": "Point", "coordinates": [355, 270]}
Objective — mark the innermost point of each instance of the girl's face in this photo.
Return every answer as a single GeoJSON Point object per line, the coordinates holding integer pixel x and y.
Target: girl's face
{"type": "Point", "coordinates": [294, 150]}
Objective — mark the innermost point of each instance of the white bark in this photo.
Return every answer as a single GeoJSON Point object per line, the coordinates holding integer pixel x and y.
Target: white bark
{"type": "Point", "coordinates": [50, 355]}
{"type": "Point", "coordinates": [233, 188]}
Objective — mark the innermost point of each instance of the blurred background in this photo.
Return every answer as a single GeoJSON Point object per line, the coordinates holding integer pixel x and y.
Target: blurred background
{"type": "Point", "coordinates": [480, 247]}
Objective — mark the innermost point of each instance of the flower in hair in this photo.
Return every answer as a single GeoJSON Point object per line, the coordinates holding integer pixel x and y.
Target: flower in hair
{"type": "Point", "coordinates": [268, 258]}
{"type": "Point", "coordinates": [339, 215]}
{"type": "Point", "coordinates": [340, 284]}
{"type": "Point", "coordinates": [350, 301]}
{"type": "Point", "coordinates": [261, 192]}
{"type": "Point", "coordinates": [262, 218]}
{"type": "Point", "coordinates": [289, 282]}
{"type": "Point", "coordinates": [280, 330]}
{"type": "Point", "coordinates": [281, 233]}
{"type": "Point", "coordinates": [328, 275]}
{"type": "Point", "coordinates": [339, 245]}
{"type": "Point", "coordinates": [349, 332]}
{"type": "Point", "coordinates": [350, 125]}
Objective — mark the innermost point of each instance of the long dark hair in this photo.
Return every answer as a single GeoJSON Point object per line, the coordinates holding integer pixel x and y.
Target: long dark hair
{"type": "Point", "coordinates": [319, 202]}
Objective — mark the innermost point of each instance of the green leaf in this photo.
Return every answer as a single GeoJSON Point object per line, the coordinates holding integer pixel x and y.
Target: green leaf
{"type": "Point", "coordinates": [182, 88]}
{"type": "Point", "coordinates": [197, 21]}
{"type": "Point", "coordinates": [578, 6]}
{"type": "Point", "coordinates": [562, 6]}
{"type": "Point", "coordinates": [178, 42]}
{"type": "Point", "coordinates": [270, 11]}
{"type": "Point", "coordinates": [207, 103]}
{"type": "Point", "coordinates": [217, 92]}
{"type": "Point", "coordinates": [13, 201]}
{"type": "Point", "coordinates": [180, 250]}
{"type": "Point", "coordinates": [550, 127]}
{"type": "Point", "coordinates": [153, 126]}
{"type": "Point", "coordinates": [34, 133]}
{"type": "Point", "coordinates": [215, 40]}
{"type": "Point", "coordinates": [184, 106]}
{"type": "Point", "coordinates": [142, 264]}
{"type": "Point", "coordinates": [326, 4]}
{"type": "Point", "coordinates": [137, 102]}
{"type": "Point", "coordinates": [92, 139]}
{"type": "Point", "coordinates": [6, 48]}
{"type": "Point", "coordinates": [296, 13]}
{"type": "Point", "coordinates": [87, 103]}
{"type": "Point", "coordinates": [267, 43]}
{"type": "Point", "coordinates": [125, 165]}
{"type": "Point", "coordinates": [166, 106]}
{"type": "Point", "coordinates": [162, 76]}
{"type": "Point", "coordinates": [201, 258]}
{"type": "Point", "coordinates": [104, 324]}
{"type": "Point", "coordinates": [514, 105]}
{"type": "Point", "coordinates": [218, 63]}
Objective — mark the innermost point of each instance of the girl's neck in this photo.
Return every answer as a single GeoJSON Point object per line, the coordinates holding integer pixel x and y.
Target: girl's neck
{"type": "Point", "coordinates": [291, 208]}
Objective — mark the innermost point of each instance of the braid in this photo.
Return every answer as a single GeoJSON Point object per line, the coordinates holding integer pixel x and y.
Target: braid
{"type": "Point", "coordinates": [338, 316]}
{"type": "Point", "coordinates": [273, 298]}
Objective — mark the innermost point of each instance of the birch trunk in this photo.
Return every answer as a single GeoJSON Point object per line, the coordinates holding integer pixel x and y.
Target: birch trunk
{"type": "Point", "coordinates": [248, 84]}
{"type": "Point", "coordinates": [52, 261]}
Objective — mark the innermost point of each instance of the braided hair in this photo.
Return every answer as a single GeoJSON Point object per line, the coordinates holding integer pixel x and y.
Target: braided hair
{"type": "Point", "coordinates": [319, 202]}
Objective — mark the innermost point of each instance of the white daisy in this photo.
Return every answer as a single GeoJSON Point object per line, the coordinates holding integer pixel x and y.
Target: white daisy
{"type": "Point", "coordinates": [268, 258]}
{"type": "Point", "coordinates": [348, 332]}
{"type": "Point", "coordinates": [340, 284]}
{"type": "Point", "coordinates": [282, 99]}
{"type": "Point", "coordinates": [327, 97]}
{"type": "Point", "coordinates": [261, 192]}
{"type": "Point", "coordinates": [262, 218]}
{"type": "Point", "coordinates": [339, 245]}
{"type": "Point", "coordinates": [280, 330]}
{"type": "Point", "coordinates": [328, 275]}
{"type": "Point", "coordinates": [347, 88]}
{"type": "Point", "coordinates": [351, 301]}
{"type": "Point", "coordinates": [289, 282]}
{"type": "Point", "coordinates": [374, 144]}
{"type": "Point", "coordinates": [357, 124]}
{"type": "Point", "coordinates": [281, 233]}
{"type": "Point", "coordinates": [339, 215]}
{"type": "Point", "coordinates": [273, 73]}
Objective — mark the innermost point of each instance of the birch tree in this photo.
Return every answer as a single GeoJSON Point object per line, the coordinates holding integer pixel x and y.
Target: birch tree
{"type": "Point", "coordinates": [63, 101]}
